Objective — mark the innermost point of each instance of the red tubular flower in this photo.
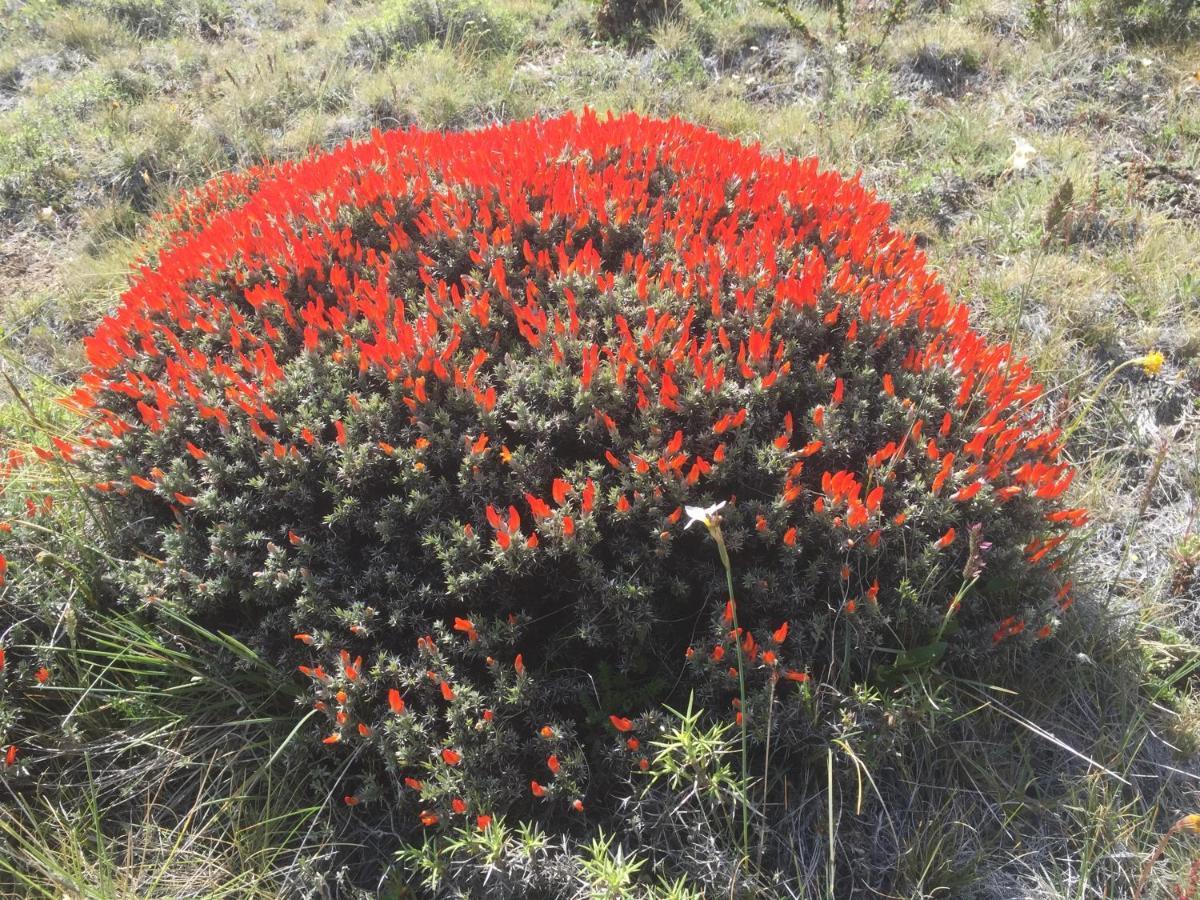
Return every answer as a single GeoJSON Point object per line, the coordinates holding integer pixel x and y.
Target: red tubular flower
{"type": "Point", "coordinates": [466, 627]}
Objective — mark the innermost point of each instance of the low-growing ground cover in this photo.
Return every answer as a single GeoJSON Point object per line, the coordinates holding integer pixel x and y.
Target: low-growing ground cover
{"type": "Point", "coordinates": [163, 748]}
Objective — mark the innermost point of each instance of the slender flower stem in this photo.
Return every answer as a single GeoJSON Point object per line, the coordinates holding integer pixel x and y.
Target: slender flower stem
{"type": "Point", "coordinates": [710, 518]}
{"type": "Point", "coordinates": [1150, 363]}
{"type": "Point", "coordinates": [715, 530]}
{"type": "Point", "coordinates": [953, 607]}
{"type": "Point", "coordinates": [762, 834]}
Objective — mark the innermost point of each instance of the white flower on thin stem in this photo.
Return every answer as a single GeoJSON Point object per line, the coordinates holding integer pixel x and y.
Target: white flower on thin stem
{"type": "Point", "coordinates": [1023, 154]}
{"type": "Point", "coordinates": [705, 515]}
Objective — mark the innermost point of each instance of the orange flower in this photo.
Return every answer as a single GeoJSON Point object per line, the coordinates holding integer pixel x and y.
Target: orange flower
{"type": "Point", "coordinates": [395, 701]}
{"type": "Point", "coordinates": [537, 789]}
{"type": "Point", "coordinates": [10, 756]}
{"type": "Point", "coordinates": [447, 692]}
{"type": "Point", "coordinates": [351, 800]}
{"type": "Point", "coordinates": [945, 540]}
{"type": "Point", "coordinates": [450, 757]}
{"type": "Point", "coordinates": [466, 627]}
{"type": "Point", "coordinates": [964, 494]}
{"type": "Point", "coordinates": [42, 675]}
{"type": "Point", "coordinates": [458, 805]}
{"type": "Point", "coordinates": [559, 489]}
{"type": "Point", "coordinates": [482, 822]}
{"type": "Point", "coordinates": [428, 819]}
{"type": "Point", "coordinates": [780, 634]}
{"type": "Point", "coordinates": [553, 764]}
{"type": "Point", "coordinates": [621, 724]}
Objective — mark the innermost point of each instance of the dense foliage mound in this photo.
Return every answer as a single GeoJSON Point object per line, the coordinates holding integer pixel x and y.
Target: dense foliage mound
{"type": "Point", "coordinates": [420, 416]}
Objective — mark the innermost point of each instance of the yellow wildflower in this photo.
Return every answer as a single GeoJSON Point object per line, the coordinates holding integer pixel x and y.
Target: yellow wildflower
{"type": "Point", "coordinates": [1151, 363]}
{"type": "Point", "coordinates": [1189, 823]}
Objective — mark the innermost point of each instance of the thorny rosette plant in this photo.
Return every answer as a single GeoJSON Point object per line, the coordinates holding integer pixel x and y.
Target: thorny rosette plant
{"type": "Point", "coordinates": [418, 419]}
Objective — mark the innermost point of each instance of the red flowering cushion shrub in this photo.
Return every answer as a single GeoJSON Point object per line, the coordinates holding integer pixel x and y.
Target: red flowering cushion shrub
{"type": "Point", "coordinates": [420, 417]}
